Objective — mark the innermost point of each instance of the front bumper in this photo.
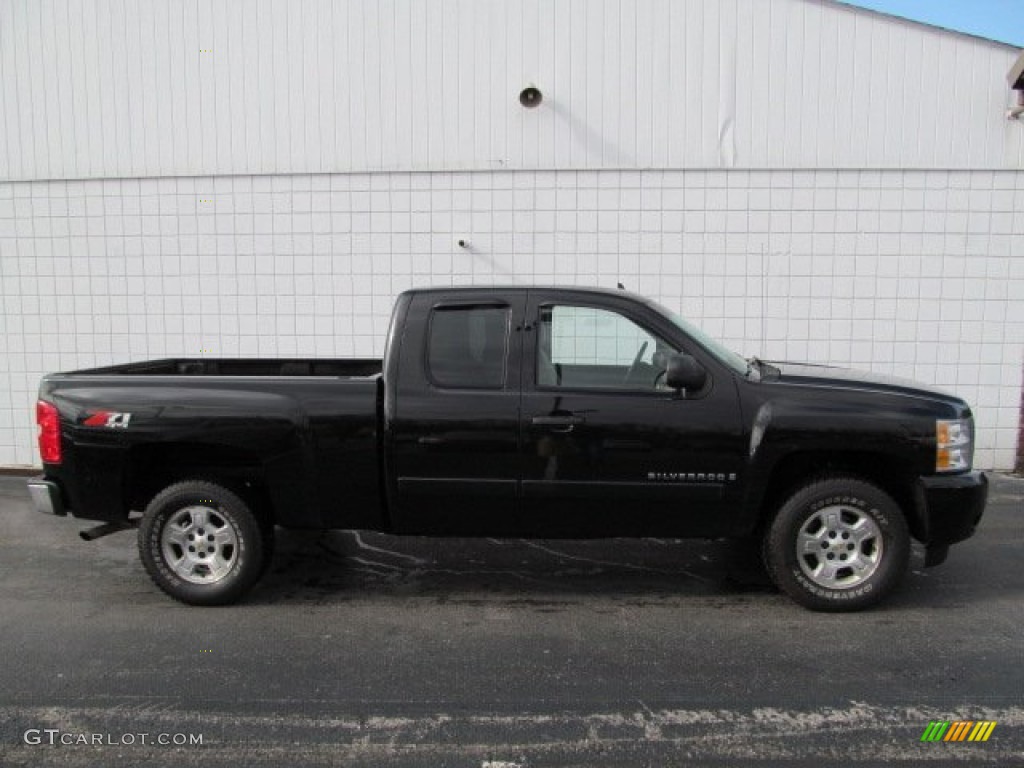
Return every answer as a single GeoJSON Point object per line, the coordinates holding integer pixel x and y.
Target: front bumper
{"type": "Point", "coordinates": [954, 506]}
{"type": "Point", "coordinates": [46, 497]}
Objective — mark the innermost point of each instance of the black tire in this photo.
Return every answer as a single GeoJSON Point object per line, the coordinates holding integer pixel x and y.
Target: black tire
{"type": "Point", "coordinates": [863, 539]}
{"type": "Point", "coordinates": [202, 545]}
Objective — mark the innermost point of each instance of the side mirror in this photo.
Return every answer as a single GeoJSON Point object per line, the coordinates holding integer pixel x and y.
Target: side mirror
{"type": "Point", "coordinates": [684, 372]}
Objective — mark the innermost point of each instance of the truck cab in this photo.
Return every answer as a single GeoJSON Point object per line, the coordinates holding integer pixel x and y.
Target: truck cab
{"type": "Point", "coordinates": [548, 412]}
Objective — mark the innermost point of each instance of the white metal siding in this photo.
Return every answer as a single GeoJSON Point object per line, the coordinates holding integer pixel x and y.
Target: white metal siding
{"type": "Point", "coordinates": [144, 88]}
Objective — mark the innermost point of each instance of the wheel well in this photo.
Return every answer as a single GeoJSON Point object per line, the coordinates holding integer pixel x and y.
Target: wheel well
{"type": "Point", "coordinates": [891, 475]}
{"type": "Point", "coordinates": [151, 468]}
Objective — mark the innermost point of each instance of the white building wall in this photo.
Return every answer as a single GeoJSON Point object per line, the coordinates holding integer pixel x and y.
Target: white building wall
{"type": "Point", "coordinates": [261, 177]}
{"type": "Point", "coordinates": [152, 88]}
{"type": "Point", "coordinates": [911, 272]}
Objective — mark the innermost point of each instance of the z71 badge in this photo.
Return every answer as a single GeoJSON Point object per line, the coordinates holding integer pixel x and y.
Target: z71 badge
{"type": "Point", "coordinates": [108, 419]}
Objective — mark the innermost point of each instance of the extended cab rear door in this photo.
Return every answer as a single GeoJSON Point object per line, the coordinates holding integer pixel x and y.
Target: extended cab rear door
{"type": "Point", "coordinates": [454, 432]}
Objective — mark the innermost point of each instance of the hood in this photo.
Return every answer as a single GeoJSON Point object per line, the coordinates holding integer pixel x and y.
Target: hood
{"type": "Point", "coordinates": [827, 376]}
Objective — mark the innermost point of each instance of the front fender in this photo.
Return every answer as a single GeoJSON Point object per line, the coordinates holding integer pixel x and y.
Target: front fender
{"type": "Point", "coordinates": [793, 439]}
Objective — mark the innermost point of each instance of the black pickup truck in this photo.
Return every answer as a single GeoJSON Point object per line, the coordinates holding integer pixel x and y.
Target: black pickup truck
{"type": "Point", "coordinates": [515, 412]}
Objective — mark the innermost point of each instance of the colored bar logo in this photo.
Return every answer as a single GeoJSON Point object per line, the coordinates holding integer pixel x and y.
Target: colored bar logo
{"type": "Point", "coordinates": [958, 730]}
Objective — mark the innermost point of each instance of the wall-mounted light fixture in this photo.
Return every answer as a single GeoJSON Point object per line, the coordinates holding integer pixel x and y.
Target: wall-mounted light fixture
{"type": "Point", "coordinates": [531, 96]}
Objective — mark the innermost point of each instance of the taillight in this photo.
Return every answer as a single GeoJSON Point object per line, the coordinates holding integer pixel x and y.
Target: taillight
{"type": "Point", "coordinates": [48, 420]}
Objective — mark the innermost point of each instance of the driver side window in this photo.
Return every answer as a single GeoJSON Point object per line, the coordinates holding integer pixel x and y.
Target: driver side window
{"type": "Point", "coordinates": [589, 348]}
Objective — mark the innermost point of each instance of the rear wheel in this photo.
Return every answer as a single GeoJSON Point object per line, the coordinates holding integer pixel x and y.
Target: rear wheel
{"type": "Point", "coordinates": [838, 544]}
{"type": "Point", "coordinates": [201, 544]}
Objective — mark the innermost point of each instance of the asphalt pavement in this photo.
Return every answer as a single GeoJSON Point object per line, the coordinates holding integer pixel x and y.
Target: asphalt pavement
{"type": "Point", "coordinates": [368, 650]}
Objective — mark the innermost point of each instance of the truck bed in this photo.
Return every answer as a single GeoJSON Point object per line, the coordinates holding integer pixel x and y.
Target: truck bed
{"type": "Point", "coordinates": [206, 366]}
{"type": "Point", "coordinates": [306, 429]}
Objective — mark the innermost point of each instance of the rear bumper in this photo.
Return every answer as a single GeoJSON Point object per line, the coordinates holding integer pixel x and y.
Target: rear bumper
{"type": "Point", "coordinates": [46, 497]}
{"type": "Point", "coordinates": [954, 506]}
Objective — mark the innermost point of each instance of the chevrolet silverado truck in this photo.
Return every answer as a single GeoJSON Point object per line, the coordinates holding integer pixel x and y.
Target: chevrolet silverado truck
{"type": "Point", "coordinates": [526, 412]}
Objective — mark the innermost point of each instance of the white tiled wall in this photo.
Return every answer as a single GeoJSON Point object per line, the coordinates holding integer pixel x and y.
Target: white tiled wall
{"type": "Point", "coordinates": [915, 273]}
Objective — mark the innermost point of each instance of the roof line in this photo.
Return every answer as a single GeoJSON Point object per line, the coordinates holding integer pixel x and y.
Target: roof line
{"type": "Point", "coordinates": [849, 4]}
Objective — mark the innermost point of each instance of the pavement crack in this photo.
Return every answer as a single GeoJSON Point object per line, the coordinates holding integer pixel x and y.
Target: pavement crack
{"type": "Point", "coordinates": [401, 555]}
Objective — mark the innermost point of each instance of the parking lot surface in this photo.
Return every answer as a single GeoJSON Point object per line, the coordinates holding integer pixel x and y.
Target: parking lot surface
{"type": "Point", "coordinates": [362, 649]}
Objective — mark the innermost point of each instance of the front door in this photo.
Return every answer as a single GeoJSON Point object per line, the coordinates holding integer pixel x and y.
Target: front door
{"type": "Point", "coordinates": [608, 449]}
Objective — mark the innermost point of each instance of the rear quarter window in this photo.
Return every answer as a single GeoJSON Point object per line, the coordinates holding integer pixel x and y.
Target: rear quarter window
{"type": "Point", "coordinates": [467, 347]}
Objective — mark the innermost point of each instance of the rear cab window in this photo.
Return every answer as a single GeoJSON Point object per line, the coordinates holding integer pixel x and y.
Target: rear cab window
{"type": "Point", "coordinates": [467, 347]}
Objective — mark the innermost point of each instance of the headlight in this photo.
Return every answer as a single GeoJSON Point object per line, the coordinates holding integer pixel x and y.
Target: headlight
{"type": "Point", "coordinates": [954, 445]}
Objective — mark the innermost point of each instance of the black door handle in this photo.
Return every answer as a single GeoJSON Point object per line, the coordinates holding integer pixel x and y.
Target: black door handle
{"type": "Point", "coordinates": [557, 423]}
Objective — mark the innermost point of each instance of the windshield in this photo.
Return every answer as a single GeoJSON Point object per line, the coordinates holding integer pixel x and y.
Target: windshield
{"type": "Point", "coordinates": [715, 347]}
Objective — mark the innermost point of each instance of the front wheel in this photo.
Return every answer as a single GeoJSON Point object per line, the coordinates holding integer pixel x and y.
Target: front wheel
{"type": "Point", "coordinates": [838, 544]}
{"type": "Point", "coordinates": [201, 544]}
